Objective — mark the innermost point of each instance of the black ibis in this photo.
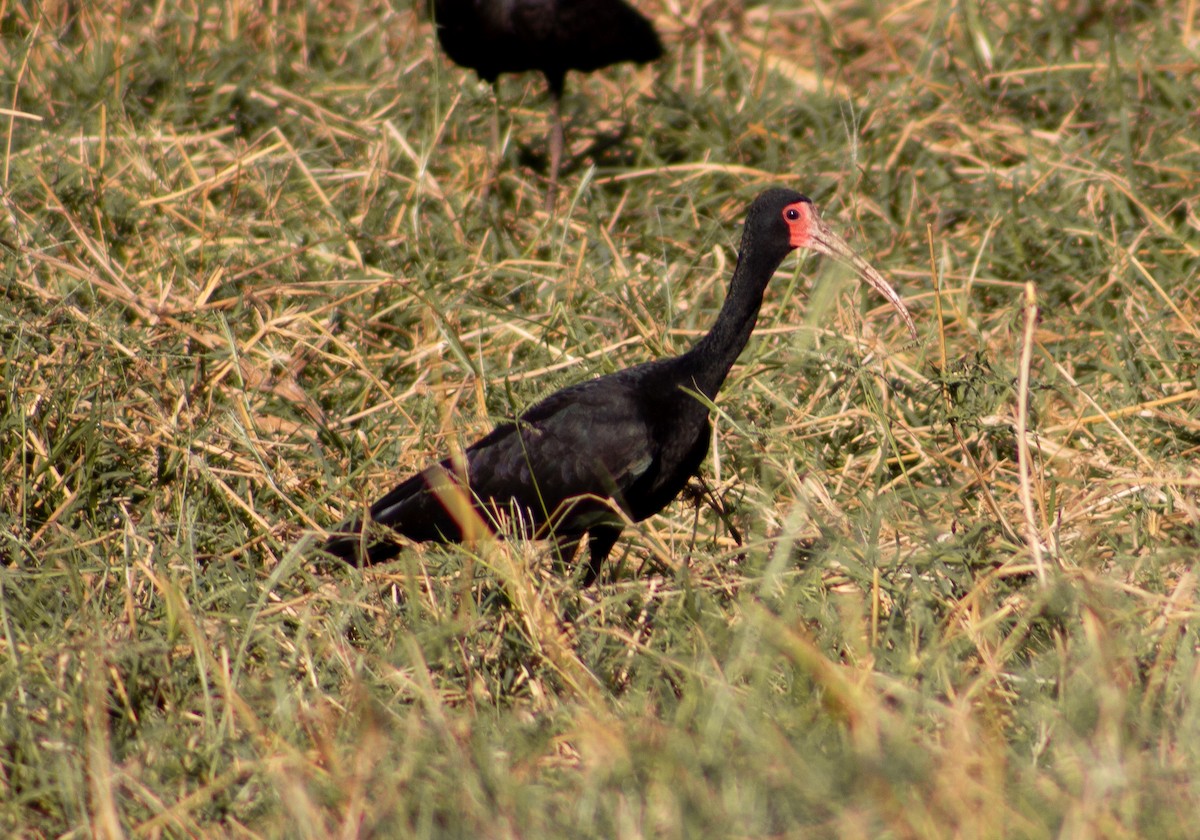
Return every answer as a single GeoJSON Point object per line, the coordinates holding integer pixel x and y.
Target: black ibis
{"type": "Point", "coordinates": [553, 36]}
{"type": "Point", "coordinates": [621, 446]}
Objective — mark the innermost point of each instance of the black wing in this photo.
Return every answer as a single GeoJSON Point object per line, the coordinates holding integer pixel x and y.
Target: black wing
{"type": "Point", "coordinates": [554, 36]}
{"type": "Point", "coordinates": [593, 440]}
{"type": "Point", "coordinates": [591, 34]}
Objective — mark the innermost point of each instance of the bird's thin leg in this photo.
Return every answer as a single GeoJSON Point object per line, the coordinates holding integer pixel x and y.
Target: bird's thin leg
{"type": "Point", "coordinates": [601, 539]}
{"type": "Point", "coordinates": [720, 509]}
{"type": "Point", "coordinates": [494, 152]}
{"type": "Point", "coordinates": [565, 547]}
{"type": "Point", "coordinates": [556, 150]}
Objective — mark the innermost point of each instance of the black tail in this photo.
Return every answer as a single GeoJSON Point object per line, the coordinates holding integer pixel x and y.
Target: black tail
{"type": "Point", "coordinates": [411, 510]}
{"type": "Point", "coordinates": [347, 544]}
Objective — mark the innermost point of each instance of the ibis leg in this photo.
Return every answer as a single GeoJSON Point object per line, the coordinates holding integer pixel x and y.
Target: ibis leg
{"type": "Point", "coordinates": [556, 152]}
{"type": "Point", "coordinates": [493, 172]}
{"type": "Point", "coordinates": [601, 539]}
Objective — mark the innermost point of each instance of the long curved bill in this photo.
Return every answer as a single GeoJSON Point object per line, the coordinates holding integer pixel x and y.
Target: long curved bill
{"type": "Point", "coordinates": [823, 240]}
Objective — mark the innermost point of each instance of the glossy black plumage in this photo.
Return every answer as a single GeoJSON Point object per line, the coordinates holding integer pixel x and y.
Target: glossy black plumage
{"type": "Point", "coordinates": [630, 440]}
{"type": "Point", "coordinates": [552, 36]}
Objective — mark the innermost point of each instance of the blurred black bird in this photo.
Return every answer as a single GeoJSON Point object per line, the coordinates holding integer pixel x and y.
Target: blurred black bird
{"type": "Point", "coordinates": [553, 36]}
{"type": "Point", "coordinates": [624, 445]}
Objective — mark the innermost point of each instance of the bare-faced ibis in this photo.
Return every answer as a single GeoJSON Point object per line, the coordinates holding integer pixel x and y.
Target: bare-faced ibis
{"type": "Point", "coordinates": [622, 445]}
{"type": "Point", "coordinates": [553, 36]}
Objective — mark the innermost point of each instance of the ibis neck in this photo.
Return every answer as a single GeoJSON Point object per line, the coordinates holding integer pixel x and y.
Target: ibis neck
{"type": "Point", "coordinates": [711, 358]}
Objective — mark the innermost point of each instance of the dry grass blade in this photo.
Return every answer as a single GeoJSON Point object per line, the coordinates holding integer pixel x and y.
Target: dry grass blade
{"type": "Point", "coordinates": [1024, 460]}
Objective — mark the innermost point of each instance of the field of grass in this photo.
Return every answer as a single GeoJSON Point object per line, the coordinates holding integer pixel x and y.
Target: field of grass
{"type": "Point", "coordinates": [250, 279]}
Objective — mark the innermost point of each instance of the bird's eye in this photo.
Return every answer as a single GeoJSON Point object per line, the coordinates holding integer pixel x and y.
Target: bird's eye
{"type": "Point", "coordinates": [791, 214]}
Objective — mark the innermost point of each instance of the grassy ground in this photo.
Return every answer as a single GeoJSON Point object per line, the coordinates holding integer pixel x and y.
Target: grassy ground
{"type": "Point", "coordinates": [249, 282]}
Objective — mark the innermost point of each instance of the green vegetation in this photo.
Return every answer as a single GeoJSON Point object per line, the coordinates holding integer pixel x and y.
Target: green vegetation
{"type": "Point", "coordinates": [249, 282]}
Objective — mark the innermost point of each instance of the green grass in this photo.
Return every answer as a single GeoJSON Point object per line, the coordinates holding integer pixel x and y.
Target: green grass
{"type": "Point", "coordinates": [249, 283]}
